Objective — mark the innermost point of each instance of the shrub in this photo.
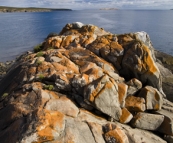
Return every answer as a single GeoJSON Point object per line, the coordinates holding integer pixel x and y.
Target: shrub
{"type": "Point", "coordinates": [39, 54]}
{"type": "Point", "coordinates": [38, 48]}
{"type": "Point", "coordinates": [41, 76]}
{"type": "Point", "coordinates": [38, 62]}
{"type": "Point", "coordinates": [49, 87]}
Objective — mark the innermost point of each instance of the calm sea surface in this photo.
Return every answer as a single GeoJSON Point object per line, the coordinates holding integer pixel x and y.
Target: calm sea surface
{"type": "Point", "coordinates": [20, 32]}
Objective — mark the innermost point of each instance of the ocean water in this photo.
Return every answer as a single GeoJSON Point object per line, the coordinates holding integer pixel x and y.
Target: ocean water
{"type": "Point", "coordinates": [20, 32]}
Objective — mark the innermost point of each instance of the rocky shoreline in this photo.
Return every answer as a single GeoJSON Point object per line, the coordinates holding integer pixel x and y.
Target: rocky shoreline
{"type": "Point", "coordinates": [87, 85]}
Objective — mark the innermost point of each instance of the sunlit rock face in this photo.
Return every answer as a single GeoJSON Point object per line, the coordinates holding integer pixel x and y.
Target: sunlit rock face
{"type": "Point", "coordinates": [77, 81]}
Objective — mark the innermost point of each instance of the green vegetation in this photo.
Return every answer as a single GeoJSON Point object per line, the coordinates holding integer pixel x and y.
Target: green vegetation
{"type": "Point", "coordinates": [41, 76]}
{"type": "Point", "coordinates": [38, 62]}
{"type": "Point", "coordinates": [49, 87]}
{"type": "Point", "coordinates": [5, 95]}
{"type": "Point", "coordinates": [38, 48]}
{"type": "Point", "coordinates": [39, 54]}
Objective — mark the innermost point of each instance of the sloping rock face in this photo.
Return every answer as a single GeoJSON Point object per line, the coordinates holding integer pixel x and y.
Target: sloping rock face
{"type": "Point", "coordinates": [82, 78]}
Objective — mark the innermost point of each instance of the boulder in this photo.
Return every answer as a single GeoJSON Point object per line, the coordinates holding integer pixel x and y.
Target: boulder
{"type": "Point", "coordinates": [147, 121]}
{"type": "Point", "coordinates": [153, 98]}
{"type": "Point", "coordinates": [103, 94]}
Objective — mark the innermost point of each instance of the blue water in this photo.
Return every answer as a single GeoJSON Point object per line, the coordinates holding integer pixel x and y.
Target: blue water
{"type": "Point", "coordinates": [19, 32]}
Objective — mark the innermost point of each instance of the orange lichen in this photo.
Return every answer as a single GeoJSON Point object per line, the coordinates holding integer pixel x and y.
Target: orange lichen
{"type": "Point", "coordinates": [149, 61]}
{"type": "Point", "coordinates": [50, 121]}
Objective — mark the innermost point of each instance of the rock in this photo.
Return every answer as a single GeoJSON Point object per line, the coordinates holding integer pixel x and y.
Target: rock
{"type": "Point", "coordinates": [83, 77]}
{"type": "Point", "coordinates": [133, 86]}
{"type": "Point", "coordinates": [168, 138]}
{"type": "Point", "coordinates": [167, 125]}
{"type": "Point", "coordinates": [135, 104]}
{"type": "Point", "coordinates": [73, 130]}
{"type": "Point", "coordinates": [97, 132]}
{"type": "Point", "coordinates": [126, 116]}
{"type": "Point", "coordinates": [103, 94]}
{"type": "Point", "coordinates": [114, 134]}
{"type": "Point", "coordinates": [153, 98]}
{"type": "Point", "coordinates": [147, 121]}
{"type": "Point", "coordinates": [136, 135]}
{"type": "Point", "coordinates": [63, 105]}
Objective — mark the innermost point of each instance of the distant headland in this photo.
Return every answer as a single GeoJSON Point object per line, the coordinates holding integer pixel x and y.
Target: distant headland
{"type": "Point", "coordinates": [30, 9]}
{"type": "Point", "coordinates": [108, 9]}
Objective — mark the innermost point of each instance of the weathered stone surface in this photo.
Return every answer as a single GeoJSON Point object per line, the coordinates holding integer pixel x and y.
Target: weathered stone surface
{"type": "Point", "coordinates": [42, 94]}
{"type": "Point", "coordinates": [147, 121]}
{"type": "Point", "coordinates": [153, 98]}
{"type": "Point", "coordinates": [97, 132]}
{"type": "Point", "coordinates": [136, 135]}
{"type": "Point", "coordinates": [167, 125]}
{"type": "Point", "coordinates": [135, 104]}
{"type": "Point", "coordinates": [77, 132]}
{"type": "Point", "coordinates": [133, 86]}
{"type": "Point", "coordinates": [114, 134]}
{"type": "Point", "coordinates": [103, 94]}
{"type": "Point", "coordinates": [63, 105]}
{"type": "Point", "coordinates": [126, 116]}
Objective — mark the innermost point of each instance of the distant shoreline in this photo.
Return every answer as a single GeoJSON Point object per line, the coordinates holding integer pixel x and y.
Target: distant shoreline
{"type": "Point", "coordinates": [108, 9]}
{"type": "Point", "coordinates": [5, 9]}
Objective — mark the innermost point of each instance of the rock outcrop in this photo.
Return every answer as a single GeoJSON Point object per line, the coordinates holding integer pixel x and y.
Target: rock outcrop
{"type": "Point", "coordinates": [84, 86]}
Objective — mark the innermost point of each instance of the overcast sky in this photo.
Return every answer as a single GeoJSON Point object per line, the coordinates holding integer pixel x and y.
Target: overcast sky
{"type": "Point", "coordinates": [91, 4]}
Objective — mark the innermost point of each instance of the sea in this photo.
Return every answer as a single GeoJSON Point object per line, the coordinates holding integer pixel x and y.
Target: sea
{"type": "Point", "coordinates": [20, 32]}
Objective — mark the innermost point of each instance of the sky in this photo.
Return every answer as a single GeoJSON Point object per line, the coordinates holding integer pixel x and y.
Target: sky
{"type": "Point", "coordinates": [91, 4]}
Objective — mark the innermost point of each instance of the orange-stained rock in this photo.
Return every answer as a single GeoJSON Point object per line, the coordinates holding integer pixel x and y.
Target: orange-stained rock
{"type": "Point", "coordinates": [42, 95]}
{"type": "Point", "coordinates": [122, 93]}
{"type": "Point", "coordinates": [52, 125]}
{"type": "Point", "coordinates": [153, 98]}
{"type": "Point", "coordinates": [135, 104]}
{"type": "Point", "coordinates": [140, 63]}
{"type": "Point", "coordinates": [53, 42]}
{"type": "Point", "coordinates": [115, 134]}
{"type": "Point", "coordinates": [126, 116]}
{"type": "Point", "coordinates": [102, 94]}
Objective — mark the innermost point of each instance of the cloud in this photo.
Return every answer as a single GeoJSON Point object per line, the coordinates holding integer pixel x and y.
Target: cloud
{"type": "Point", "coordinates": [91, 4]}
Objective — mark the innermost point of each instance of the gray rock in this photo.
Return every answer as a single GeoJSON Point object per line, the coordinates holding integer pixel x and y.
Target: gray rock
{"type": "Point", "coordinates": [133, 86]}
{"type": "Point", "coordinates": [147, 121]}
{"type": "Point", "coordinates": [63, 105]}
{"type": "Point", "coordinates": [153, 98]}
{"type": "Point", "coordinates": [77, 132]}
{"type": "Point", "coordinates": [103, 94]}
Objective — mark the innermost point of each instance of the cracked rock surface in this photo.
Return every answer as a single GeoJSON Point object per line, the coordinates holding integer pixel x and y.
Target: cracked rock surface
{"type": "Point", "coordinates": [87, 85]}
